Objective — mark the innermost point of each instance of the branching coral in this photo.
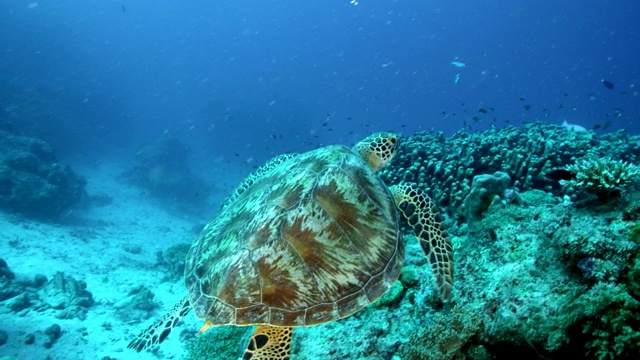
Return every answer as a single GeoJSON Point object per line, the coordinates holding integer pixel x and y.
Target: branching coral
{"type": "Point", "coordinates": [603, 177]}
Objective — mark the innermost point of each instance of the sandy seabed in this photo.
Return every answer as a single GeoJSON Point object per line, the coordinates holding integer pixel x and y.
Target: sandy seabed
{"type": "Point", "coordinates": [90, 245]}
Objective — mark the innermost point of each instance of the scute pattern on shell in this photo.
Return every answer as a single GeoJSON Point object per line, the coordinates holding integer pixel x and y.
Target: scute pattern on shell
{"type": "Point", "coordinates": [312, 240]}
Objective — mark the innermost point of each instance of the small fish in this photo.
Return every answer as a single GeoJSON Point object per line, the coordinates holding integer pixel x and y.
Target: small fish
{"type": "Point", "coordinates": [573, 127]}
{"type": "Point", "coordinates": [527, 107]}
{"type": "Point", "coordinates": [560, 174]}
{"type": "Point", "coordinates": [456, 80]}
{"type": "Point", "coordinates": [459, 64]}
{"type": "Point", "coordinates": [596, 126]}
{"type": "Point", "coordinates": [483, 110]}
{"type": "Point", "coordinates": [606, 125]}
{"type": "Point", "coordinates": [608, 84]}
{"type": "Point", "coordinates": [617, 112]}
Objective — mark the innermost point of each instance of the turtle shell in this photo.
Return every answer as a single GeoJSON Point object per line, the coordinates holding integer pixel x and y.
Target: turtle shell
{"type": "Point", "coordinates": [312, 240]}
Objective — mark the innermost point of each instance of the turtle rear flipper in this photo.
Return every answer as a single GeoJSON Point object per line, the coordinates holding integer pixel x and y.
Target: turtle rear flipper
{"type": "Point", "coordinates": [160, 329]}
{"type": "Point", "coordinates": [428, 225]}
{"type": "Point", "coordinates": [269, 343]}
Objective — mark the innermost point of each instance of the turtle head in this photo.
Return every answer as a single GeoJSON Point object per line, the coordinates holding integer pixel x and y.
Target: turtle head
{"type": "Point", "coordinates": [377, 149]}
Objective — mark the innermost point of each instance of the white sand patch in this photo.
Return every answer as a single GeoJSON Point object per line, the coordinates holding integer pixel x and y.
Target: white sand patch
{"type": "Point", "coordinates": [89, 245]}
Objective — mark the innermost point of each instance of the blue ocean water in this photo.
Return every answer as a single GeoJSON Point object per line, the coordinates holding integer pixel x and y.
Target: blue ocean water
{"type": "Point", "coordinates": [219, 87]}
{"type": "Point", "coordinates": [288, 76]}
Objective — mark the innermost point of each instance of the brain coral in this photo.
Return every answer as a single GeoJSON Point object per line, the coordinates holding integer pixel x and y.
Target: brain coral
{"type": "Point", "coordinates": [446, 166]}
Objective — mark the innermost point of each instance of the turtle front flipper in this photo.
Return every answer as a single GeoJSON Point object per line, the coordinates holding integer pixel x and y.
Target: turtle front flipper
{"type": "Point", "coordinates": [427, 223]}
{"type": "Point", "coordinates": [269, 343]}
{"type": "Point", "coordinates": [160, 329]}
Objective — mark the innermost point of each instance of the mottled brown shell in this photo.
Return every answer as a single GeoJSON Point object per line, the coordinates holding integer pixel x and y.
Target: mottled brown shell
{"type": "Point", "coordinates": [312, 240]}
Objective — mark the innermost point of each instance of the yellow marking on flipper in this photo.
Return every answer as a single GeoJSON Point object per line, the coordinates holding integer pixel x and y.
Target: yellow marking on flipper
{"type": "Point", "coordinates": [269, 343]}
{"type": "Point", "coordinates": [205, 327]}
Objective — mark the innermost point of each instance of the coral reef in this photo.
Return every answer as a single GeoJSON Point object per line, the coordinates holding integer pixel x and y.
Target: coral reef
{"type": "Point", "coordinates": [32, 182]}
{"type": "Point", "coordinates": [530, 153]}
{"type": "Point", "coordinates": [173, 260]}
{"type": "Point", "coordinates": [543, 281]}
{"type": "Point", "coordinates": [535, 274]}
{"type": "Point", "coordinates": [485, 189]}
{"type": "Point", "coordinates": [162, 169]}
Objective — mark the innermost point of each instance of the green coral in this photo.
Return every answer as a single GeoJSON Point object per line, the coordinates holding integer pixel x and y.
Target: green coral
{"type": "Point", "coordinates": [602, 177]}
{"type": "Point", "coordinates": [613, 323]}
{"type": "Point", "coordinates": [634, 233]}
{"type": "Point", "coordinates": [224, 342]}
{"type": "Point", "coordinates": [392, 297]}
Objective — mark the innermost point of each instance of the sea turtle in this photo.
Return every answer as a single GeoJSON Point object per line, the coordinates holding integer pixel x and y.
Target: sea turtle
{"type": "Point", "coordinates": [308, 238]}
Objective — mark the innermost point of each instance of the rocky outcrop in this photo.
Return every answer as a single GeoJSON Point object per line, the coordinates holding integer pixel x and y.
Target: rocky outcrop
{"type": "Point", "coordinates": [32, 181]}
